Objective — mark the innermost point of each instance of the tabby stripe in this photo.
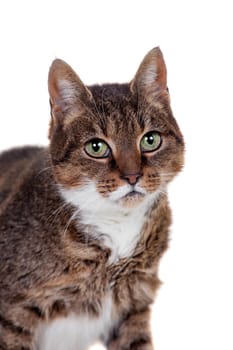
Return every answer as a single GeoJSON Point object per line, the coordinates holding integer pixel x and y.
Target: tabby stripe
{"type": "Point", "coordinates": [35, 310]}
{"type": "Point", "coordinates": [137, 343]}
{"type": "Point", "coordinates": [179, 139]}
{"type": "Point", "coordinates": [12, 327]}
{"type": "Point", "coordinates": [66, 154]}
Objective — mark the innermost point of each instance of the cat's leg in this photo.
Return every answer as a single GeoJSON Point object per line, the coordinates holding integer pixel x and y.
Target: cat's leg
{"type": "Point", "coordinates": [133, 333]}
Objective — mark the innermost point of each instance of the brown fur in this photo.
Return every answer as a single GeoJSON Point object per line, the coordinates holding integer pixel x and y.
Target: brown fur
{"type": "Point", "coordinates": [44, 273]}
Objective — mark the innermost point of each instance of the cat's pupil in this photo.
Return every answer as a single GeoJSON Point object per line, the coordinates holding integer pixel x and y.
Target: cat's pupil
{"type": "Point", "coordinates": [150, 139]}
{"type": "Point", "coordinates": [96, 146]}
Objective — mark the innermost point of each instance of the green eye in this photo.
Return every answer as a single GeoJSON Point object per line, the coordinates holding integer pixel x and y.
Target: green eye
{"type": "Point", "coordinates": [97, 148]}
{"type": "Point", "coordinates": [150, 141]}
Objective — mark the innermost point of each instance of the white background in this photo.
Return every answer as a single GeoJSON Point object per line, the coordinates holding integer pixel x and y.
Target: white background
{"type": "Point", "coordinates": [105, 41]}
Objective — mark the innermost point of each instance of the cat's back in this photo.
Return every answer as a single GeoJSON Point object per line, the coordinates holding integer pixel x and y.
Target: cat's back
{"type": "Point", "coordinates": [17, 166]}
{"type": "Point", "coordinates": [17, 158]}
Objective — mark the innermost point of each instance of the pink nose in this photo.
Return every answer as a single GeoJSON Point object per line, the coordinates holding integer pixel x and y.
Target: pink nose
{"type": "Point", "coordinates": [132, 179]}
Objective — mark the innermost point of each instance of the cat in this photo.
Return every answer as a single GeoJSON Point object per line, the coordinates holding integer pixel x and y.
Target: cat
{"type": "Point", "coordinates": [85, 221]}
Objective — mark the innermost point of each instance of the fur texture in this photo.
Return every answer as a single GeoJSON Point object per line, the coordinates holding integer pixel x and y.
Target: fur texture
{"type": "Point", "coordinates": [81, 235]}
{"type": "Point", "coordinates": [110, 219]}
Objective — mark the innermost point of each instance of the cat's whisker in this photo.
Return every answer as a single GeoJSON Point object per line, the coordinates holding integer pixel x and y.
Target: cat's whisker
{"type": "Point", "coordinates": [162, 191]}
{"type": "Point", "coordinates": [96, 108]}
{"type": "Point", "coordinates": [44, 169]}
{"type": "Point", "coordinates": [57, 212]}
{"type": "Point", "coordinates": [73, 216]}
{"type": "Point", "coordinates": [89, 202]}
{"type": "Point", "coordinates": [102, 103]}
{"type": "Point", "coordinates": [90, 111]}
{"type": "Point", "coordinates": [167, 174]}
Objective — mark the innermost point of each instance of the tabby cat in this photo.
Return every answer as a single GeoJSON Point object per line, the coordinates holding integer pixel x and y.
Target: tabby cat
{"type": "Point", "coordinates": [84, 222]}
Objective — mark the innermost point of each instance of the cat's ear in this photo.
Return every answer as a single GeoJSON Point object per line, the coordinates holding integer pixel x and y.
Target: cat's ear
{"type": "Point", "coordinates": [65, 88]}
{"type": "Point", "coordinates": [150, 80]}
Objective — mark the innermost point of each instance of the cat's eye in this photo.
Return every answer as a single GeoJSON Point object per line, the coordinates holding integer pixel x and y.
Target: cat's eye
{"type": "Point", "coordinates": [97, 148]}
{"type": "Point", "coordinates": [150, 141]}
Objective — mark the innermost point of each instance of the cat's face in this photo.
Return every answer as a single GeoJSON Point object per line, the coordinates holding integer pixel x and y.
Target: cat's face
{"type": "Point", "coordinates": [120, 139]}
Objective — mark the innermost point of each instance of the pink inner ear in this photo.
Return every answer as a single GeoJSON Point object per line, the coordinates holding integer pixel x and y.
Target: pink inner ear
{"type": "Point", "coordinates": [61, 95]}
{"type": "Point", "coordinates": [151, 76]}
{"type": "Point", "coordinates": [67, 91]}
{"type": "Point", "coordinates": [65, 87]}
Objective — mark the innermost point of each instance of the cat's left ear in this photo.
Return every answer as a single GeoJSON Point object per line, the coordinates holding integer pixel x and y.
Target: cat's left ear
{"type": "Point", "coordinates": [67, 91]}
{"type": "Point", "coordinates": [150, 80]}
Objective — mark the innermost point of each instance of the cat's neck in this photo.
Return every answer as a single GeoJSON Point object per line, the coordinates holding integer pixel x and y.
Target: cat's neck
{"type": "Point", "coordinates": [118, 228]}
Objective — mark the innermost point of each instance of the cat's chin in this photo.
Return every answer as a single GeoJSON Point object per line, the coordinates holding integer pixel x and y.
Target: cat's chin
{"type": "Point", "coordinates": [132, 199]}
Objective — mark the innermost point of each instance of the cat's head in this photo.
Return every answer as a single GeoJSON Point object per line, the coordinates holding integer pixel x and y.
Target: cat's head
{"type": "Point", "coordinates": [120, 141]}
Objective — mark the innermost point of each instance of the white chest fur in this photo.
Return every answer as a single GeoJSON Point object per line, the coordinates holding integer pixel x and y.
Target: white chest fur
{"type": "Point", "coordinates": [117, 226]}
{"type": "Point", "coordinates": [76, 332]}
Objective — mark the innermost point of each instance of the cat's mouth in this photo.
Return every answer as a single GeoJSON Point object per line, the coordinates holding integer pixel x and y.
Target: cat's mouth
{"type": "Point", "coordinates": [128, 195]}
{"type": "Point", "coordinates": [134, 195]}
{"type": "Point", "coordinates": [132, 198]}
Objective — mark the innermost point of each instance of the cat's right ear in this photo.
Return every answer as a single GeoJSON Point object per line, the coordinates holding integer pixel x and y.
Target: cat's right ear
{"type": "Point", "coordinates": [66, 90]}
{"type": "Point", "coordinates": [150, 81]}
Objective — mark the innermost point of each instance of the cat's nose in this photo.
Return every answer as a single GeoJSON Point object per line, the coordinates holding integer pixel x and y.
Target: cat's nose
{"type": "Point", "coordinates": [132, 179]}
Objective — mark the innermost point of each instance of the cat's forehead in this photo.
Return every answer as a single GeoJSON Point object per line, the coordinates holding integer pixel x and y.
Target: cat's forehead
{"type": "Point", "coordinates": [113, 97]}
{"type": "Point", "coordinates": [117, 110]}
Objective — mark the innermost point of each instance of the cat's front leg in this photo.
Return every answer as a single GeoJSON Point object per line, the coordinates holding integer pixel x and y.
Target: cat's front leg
{"type": "Point", "coordinates": [133, 333]}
